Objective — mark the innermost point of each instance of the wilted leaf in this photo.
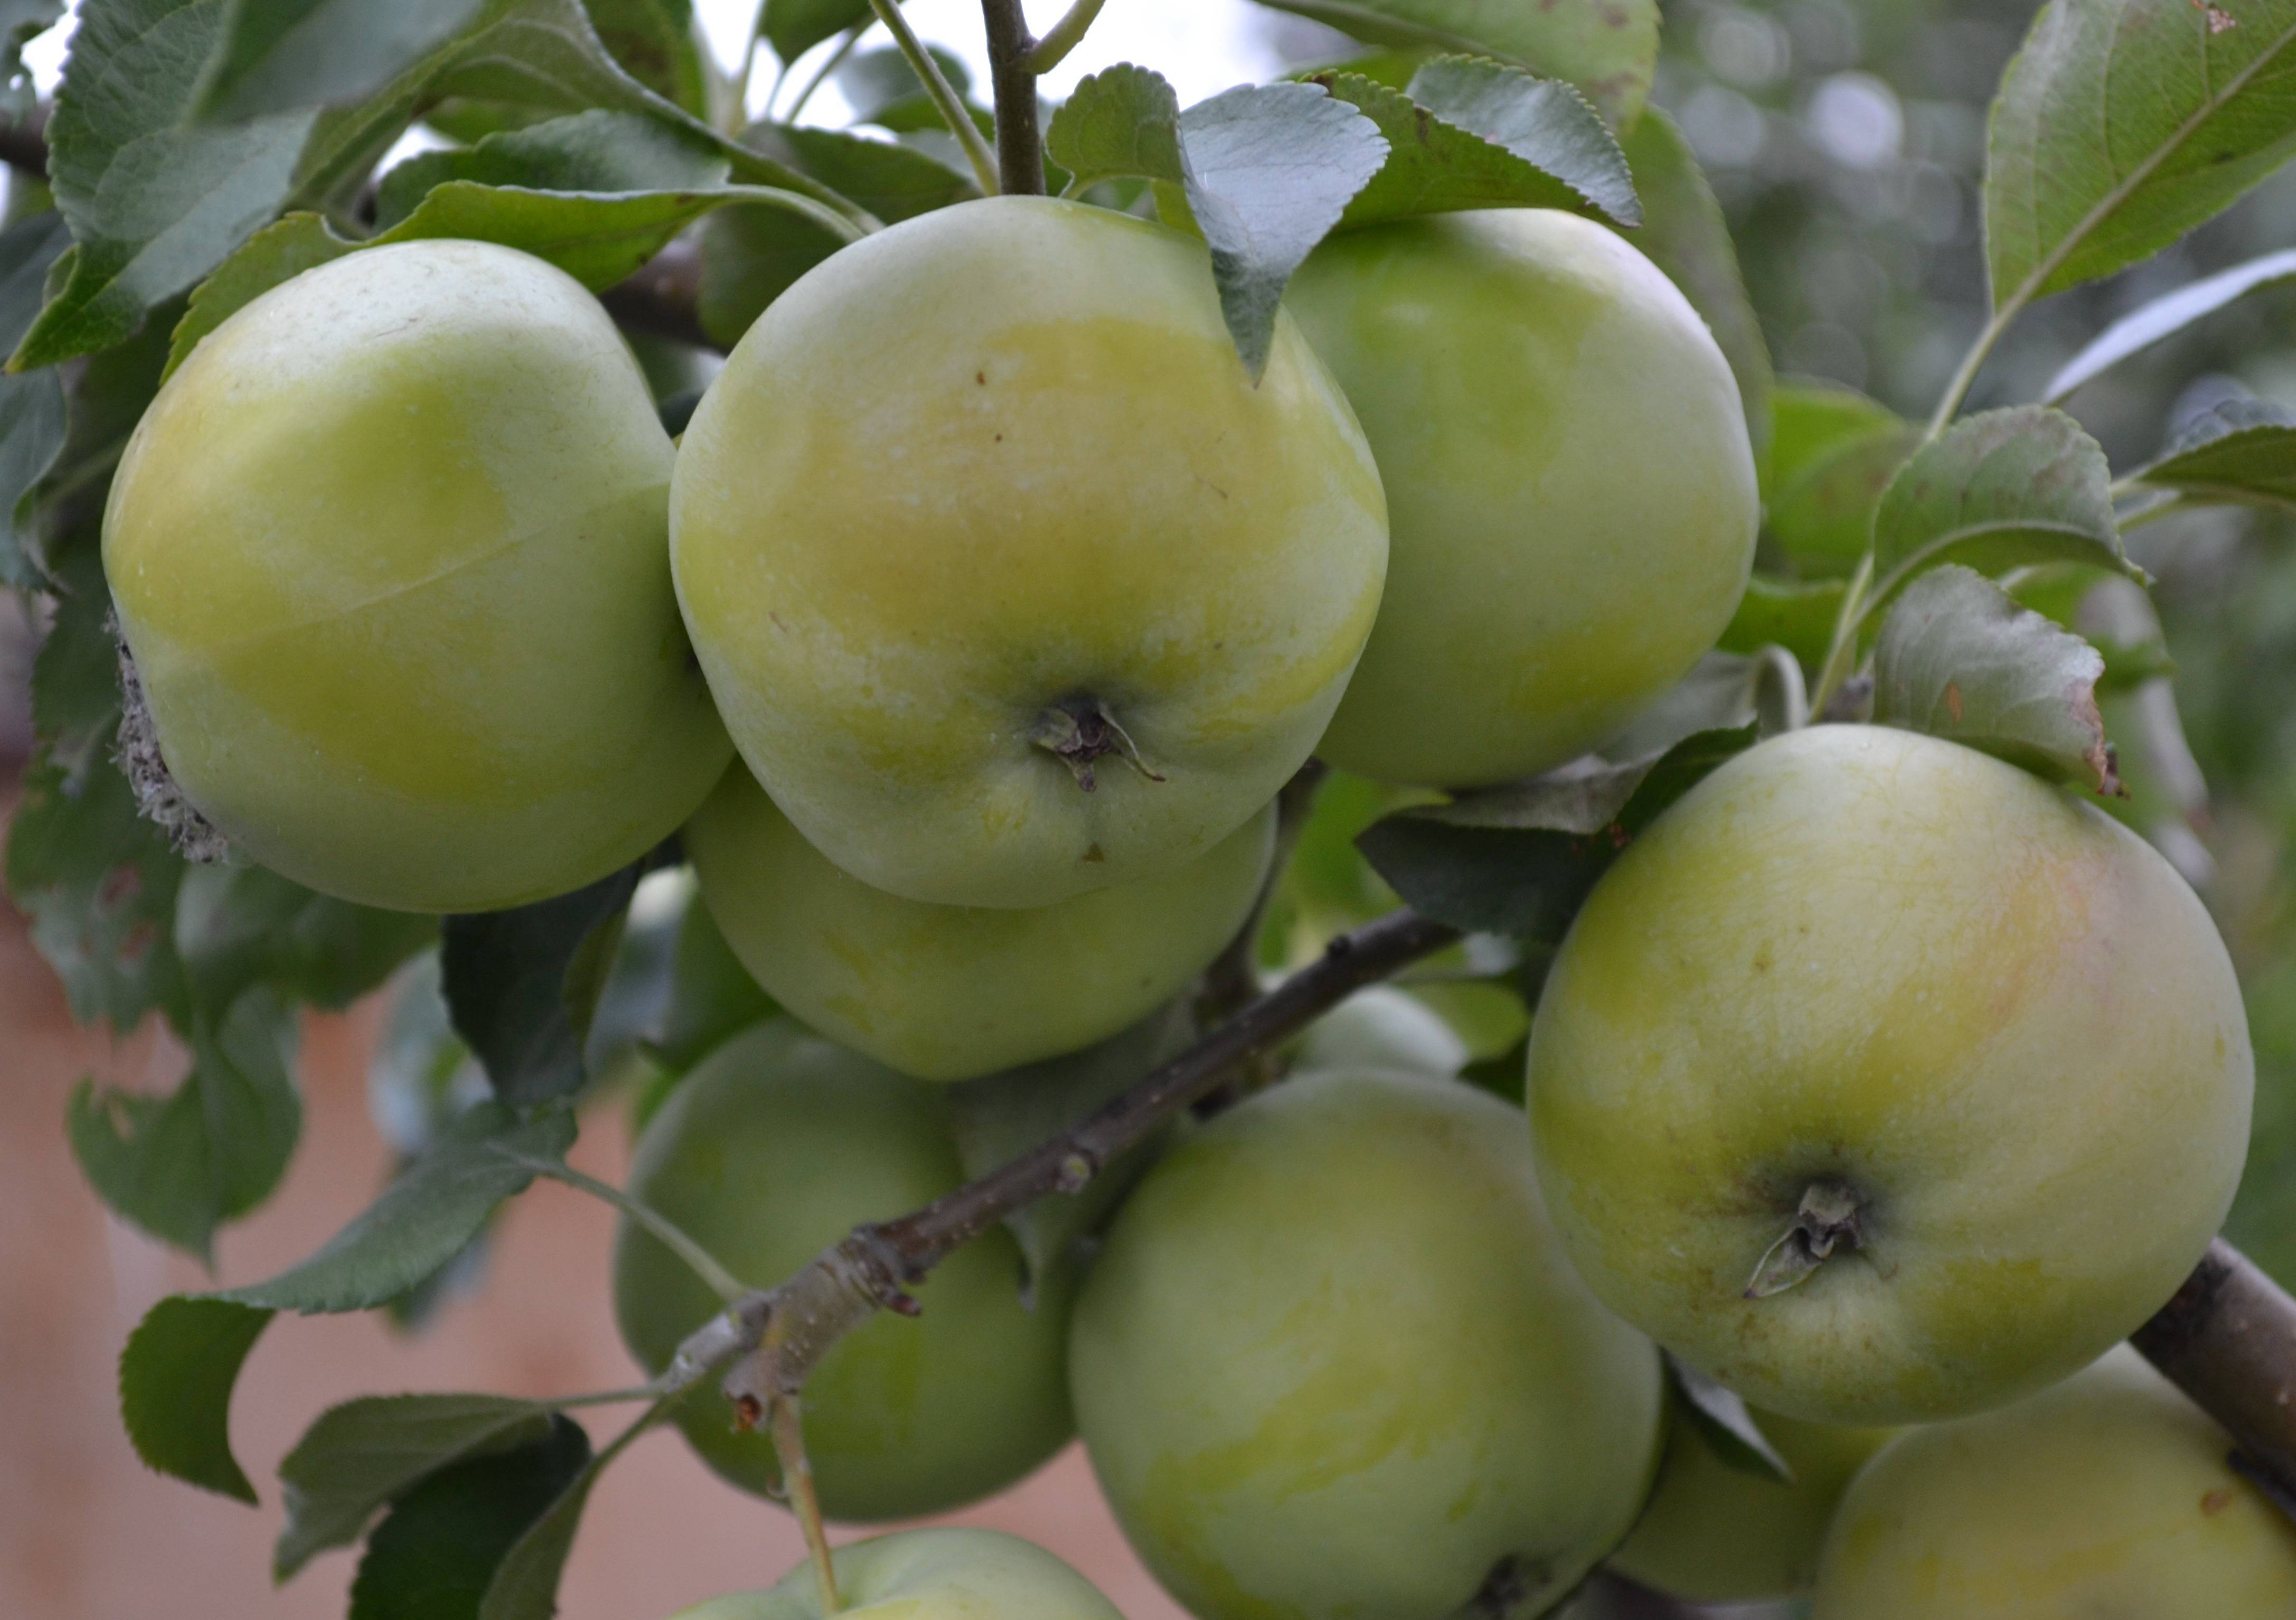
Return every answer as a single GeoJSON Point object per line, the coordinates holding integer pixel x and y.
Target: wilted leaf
{"type": "Point", "coordinates": [2243, 452]}
{"type": "Point", "coordinates": [179, 1166]}
{"type": "Point", "coordinates": [1995, 491]}
{"type": "Point", "coordinates": [2121, 125]}
{"type": "Point", "coordinates": [361, 1455]}
{"type": "Point", "coordinates": [1610, 51]}
{"type": "Point", "coordinates": [1956, 658]}
{"type": "Point", "coordinates": [2164, 317]}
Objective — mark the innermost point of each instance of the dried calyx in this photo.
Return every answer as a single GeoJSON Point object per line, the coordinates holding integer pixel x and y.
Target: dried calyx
{"type": "Point", "coordinates": [136, 752]}
{"type": "Point", "coordinates": [1079, 731]}
{"type": "Point", "coordinates": [1828, 1221]}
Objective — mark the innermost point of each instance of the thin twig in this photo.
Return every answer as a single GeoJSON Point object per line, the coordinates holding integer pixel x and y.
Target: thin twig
{"type": "Point", "coordinates": [834, 60]}
{"type": "Point", "coordinates": [1064, 36]}
{"type": "Point", "coordinates": [1020, 147]}
{"type": "Point", "coordinates": [952, 110]}
{"type": "Point", "coordinates": [788, 1423]}
{"type": "Point", "coordinates": [2228, 1340]}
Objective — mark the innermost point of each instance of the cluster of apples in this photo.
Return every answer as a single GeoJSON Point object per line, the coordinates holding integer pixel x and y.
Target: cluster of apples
{"type": "Point", "coordinates": [1879, 1080]}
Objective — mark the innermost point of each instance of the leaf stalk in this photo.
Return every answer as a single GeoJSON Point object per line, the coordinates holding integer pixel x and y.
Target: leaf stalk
{"type": "Point", "coordinates": [944, 98]}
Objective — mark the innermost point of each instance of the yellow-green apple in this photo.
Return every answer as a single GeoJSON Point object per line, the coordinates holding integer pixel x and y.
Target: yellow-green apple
{"type": "Point", "coordinates": [1331, 1361]}
{"type": "Point", "coordinates": [1567, 475]}
{"type": "Point", "coordinates": [1883, 1082]}
{"type": "Point", "coordinates": [1382, 1028]}
{"type": "Point", "coordinates": [2110, 1494]}
{"type": "Point", "coordinates": [926, 1574]}
{"type": "Point", "coordinates": [1010, 582]}
{"type": "Point", "coordinates": [1716, 1532]}
{"type": "Point", "coordinates": [948, 992]}
{"type": "Point", "coordinates": [771, 1150]}
{"type": "Point", "coordinates": [390, 550]}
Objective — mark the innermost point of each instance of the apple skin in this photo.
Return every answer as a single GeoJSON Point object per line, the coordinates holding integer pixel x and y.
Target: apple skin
{"type": "Point", "coordinates": [952, 1574]}
{"type": "Point", "coordinates": [949, 992]}
{"type": "Point", "coordinates": [1332, 1363]}
{"type": "Point", "coordinates": [1714, 1534]}
{"type": "Point", "coordinates": [995, 458]}
{"type": "Point", "coordinates": [1992, 1014]}
{"type": "Point", "coordinates": [390, 549]}
{"type": "Point", "coordinates": [2110, 1494]}
{"type": "Point", "coordinates": [1569, 479]}
{"type": "Point", "coordinates": [1382, 1028]}
{"type": "Point", "coordinates": [776, 1147]}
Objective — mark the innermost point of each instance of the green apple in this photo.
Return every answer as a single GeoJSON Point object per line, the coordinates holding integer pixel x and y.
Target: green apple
{"type": "Point", "coordinates": [1382, 1028]}
{"type": "Point", "coordinates": [1714, 1533]}
{"type": "Point", "coordinates": [927, 1574]}
{"type": "Point", "coordinates": [2109, 1496]}
{"type": "Point", "coordinates": [948, 992]}
{"type": "Point", "coordinates": [1567, 475]}
{"type": "Point", "coordinates": [1009, 581]}
{"type": "Point", "coordinates": [1884, 1082]}
{"type": "Point", "coordinates": [390, 549]}
{"type": "Point", "coordinates": [771, 1150]}
{"type": "Point", "coordinates": [1332, 1363]}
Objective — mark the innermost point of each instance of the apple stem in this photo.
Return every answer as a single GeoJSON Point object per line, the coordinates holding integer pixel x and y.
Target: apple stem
{"type": "Point", "coordinates": [1079, 731]}
{"type": "Point", "coordinates": [1827, 1219]}
{"type": "Point", "coordinates": [797, 1484]}
{"type": "Point", "coordinates": [1020, 146]}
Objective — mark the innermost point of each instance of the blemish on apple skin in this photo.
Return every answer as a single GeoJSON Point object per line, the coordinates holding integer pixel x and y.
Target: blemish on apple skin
{"type": "Point", "coordinates": [2216, 1501]}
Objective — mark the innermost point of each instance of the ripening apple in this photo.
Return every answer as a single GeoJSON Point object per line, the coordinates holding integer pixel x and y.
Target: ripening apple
{"type": "Point", "coordinates": [953, 1573]}
{"type": "Point", "coordinates": [1332, 1362]}
{"type": "Point", "coordinates": [1009, 581]}
{"type": "Point", "coordinates": [1383, 1027]}
{"type": "Point", "coordinates": [390, 550]}
{"type": "Point", "coordinates": [2109, 1496]}
{"type": "Point", "coordinates": [776, 1147]}
{"type": "Point", "coordinates": [1884, 1082]}
{"type": "Point", "coordinates": [1714, 1533]}
{"type": "Point", "coordinates": [1569, 481]}
{"type": "Point", "coordinates": [948, 992]}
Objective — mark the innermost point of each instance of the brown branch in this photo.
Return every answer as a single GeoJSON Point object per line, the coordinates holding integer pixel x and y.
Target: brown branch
{"type": "Point", "coordinates": [870, 1269]}
{"type": "Point", "coordinates": [664, 299]}
{"type": "Point", "coordinates": [2228, 1340]}
{"type": "Point", "coordinates": [1020, 147]}
{"type": "Point", "coordinates": [24, 147]}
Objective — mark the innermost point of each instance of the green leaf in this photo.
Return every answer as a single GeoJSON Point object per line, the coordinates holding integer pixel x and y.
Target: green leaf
{"type": "Point", "coordinates": [659, 43]}
{"type": "Point", "coordinates": [750, 257]}
{"type": "Point", "coordinates": [892, 181]}
{"type": "Point", "coordinates": [76, 693]}
{"type": "Point", "coordinates": [1543, 121]}
{"type": "Point", "coordinates": [241, 925]}
{"type": "Point", "coordinates": [1262, 173]}
{"type": "Point", "coordinates": [1994, 491]}
{"type": "Point", "coordinates": [2121, 125]}
{"type": "Point", "coordinates": [1271, 170]}
{"type": "Point", "coordinates": [1796, 614]}
{"type": "Point", "coordinates": [421, 1078]}
{"type": "Point", "coordinates": [2164, 317]}
{"type": "Point", "coordinates": [422, 1219]}
{"type": "Point", "coordinates": [584, 151]}
{"type": "Point", "coordinates": [525, 1584]}
{"type": "Point", "coordinates": [435, 1555]}
{"type": "Point", "coordinates": [179, 1166]}
{"type": "Point", "coordinates": [2241, 453]}
{"type": "Point", "coordinates": [521, 983]}
{"type": "Point", "coordinates": [360, 1456]}
{"type": "Point", "coordinates": [276, 56]}
{"type": "Point", "coordinates": [712, 997]}
{"type": "Point", "coordinates": [999, 1117]}
{"type": "Point", "coordinates": [99, 882]}
{"type": "Point", "coordinates": [874, 81]}
{"type": "Point", "coordinates": [32, 406]}
{"type": "Point", "coordinates": [1724, 1423]}
{"type": "Point", "coordinates": [175, 1377]}
{"type": "Point", "coordinates": [794, 27]}
{"type": "Point", "coordinates": [1609, 50]}
{"type": "Point", "coordinates": [1833, 453]}
{"type": "Point", "coordinates": [1557, 158]}
{"type": "Point", "coordinates": [154, 204]}
{"type": "Point", "coordinates": [274, 255]}
{"type": "Point", "coordinates": [1684, 232]}
{"type": "Point", "coordinates": [1521, 860]}
{"type": "Point", "coordinates": [1958, 659]}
